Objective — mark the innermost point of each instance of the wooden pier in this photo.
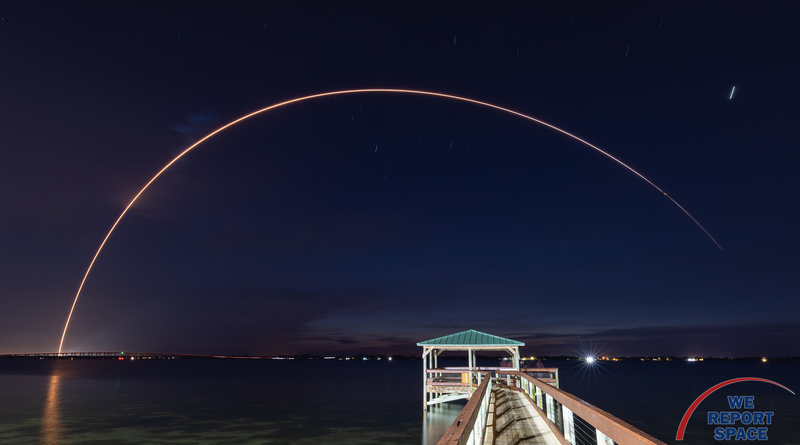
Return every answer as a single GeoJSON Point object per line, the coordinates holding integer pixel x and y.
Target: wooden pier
{"type": "Point", "coordinates": [459, 383]}
{"type": "Point", "coordinates": [512, 420]}
{"type": "Point", "coordinates": [509, 405]}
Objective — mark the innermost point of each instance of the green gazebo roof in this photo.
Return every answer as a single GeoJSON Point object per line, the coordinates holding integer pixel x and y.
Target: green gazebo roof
{"type": "Point", "coordinates": [470, 338]}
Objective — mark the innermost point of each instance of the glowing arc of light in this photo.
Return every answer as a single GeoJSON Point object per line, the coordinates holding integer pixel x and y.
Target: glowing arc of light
{"type": "Point", "coordinates": [342, 92]}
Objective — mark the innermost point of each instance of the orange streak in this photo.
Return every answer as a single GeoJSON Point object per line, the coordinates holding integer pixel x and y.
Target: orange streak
{"type": "Point", "coordinates": [52, 431]}
{"type": "Point", "coordinates": [357, 91]}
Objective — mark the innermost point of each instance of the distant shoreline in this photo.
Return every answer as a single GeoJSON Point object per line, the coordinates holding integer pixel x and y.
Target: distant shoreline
{"type": "Point", "coordinates": [359, 357]}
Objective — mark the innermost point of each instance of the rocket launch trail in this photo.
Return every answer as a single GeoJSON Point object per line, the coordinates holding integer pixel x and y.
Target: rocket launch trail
{"type": "Point", "coordinates": [345, 92]}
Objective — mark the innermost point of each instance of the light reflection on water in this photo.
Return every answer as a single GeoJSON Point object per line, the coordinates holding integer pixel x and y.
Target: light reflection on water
{"type": "Point", "coordinates": [312, 402]}
{"type": "Point", "coordinates": [215, 402]}
{"type": "Point", "coordinates": [52, 429]}
{"type": "Point", "coordinates": [437, 419]}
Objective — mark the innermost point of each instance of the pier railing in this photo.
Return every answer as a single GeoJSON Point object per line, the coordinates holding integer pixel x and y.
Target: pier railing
{"type": "Point", "coordinates": [547, 375]}
{"type": "Point", "coordinates": [470, 424]}
{"type": "Point", "coordinates": [572, 420]}
{"type": "Point", "coordinates": [450, 380]}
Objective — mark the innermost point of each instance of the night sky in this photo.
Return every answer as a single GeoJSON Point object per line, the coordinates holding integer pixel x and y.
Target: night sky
{"type": "Point", "coordinates": [367, 223]}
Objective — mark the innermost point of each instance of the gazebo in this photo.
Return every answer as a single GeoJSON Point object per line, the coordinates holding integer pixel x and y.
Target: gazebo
{"type": "Point", "coordinates": [444, 389]}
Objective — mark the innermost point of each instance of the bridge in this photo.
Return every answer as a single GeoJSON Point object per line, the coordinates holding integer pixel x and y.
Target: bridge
{"type": "Point", "coordinates": [115, 355]}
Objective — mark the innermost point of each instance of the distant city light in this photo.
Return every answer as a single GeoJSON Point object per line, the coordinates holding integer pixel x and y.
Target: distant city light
{"type": "Point", "coordinates": [764, 359]}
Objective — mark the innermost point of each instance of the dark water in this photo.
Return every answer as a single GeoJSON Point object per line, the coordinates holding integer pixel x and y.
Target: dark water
{"type": "Point", "coordinates": [332, 402]}
{"type": "Point", "coordinates": [654, 396]}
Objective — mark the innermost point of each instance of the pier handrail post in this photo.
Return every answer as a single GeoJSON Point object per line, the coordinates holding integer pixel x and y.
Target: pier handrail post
{"type": "Point", "coordinates": [425, 352]}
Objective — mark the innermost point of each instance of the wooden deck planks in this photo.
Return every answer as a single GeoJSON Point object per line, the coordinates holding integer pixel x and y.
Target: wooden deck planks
{"type": "Point", "coordinates": [512, 421]}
